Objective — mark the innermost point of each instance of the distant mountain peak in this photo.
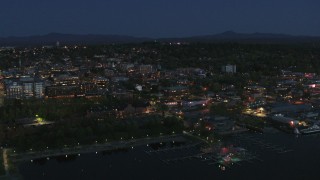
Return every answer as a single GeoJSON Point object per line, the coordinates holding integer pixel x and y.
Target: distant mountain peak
{"type": "Point", "coordinates": [230, 32]}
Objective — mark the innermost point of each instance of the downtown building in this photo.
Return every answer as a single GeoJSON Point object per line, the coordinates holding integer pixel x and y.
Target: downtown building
{"type": "Point", "coordinates": [24, 88]}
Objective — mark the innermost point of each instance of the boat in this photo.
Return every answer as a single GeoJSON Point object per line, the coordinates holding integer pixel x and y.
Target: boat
{"type": "Point", "coordinates": [312, 129]}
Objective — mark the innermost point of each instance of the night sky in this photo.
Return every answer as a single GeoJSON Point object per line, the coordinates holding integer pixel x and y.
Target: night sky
{"type": "Point", "coordinates": [158, 18]}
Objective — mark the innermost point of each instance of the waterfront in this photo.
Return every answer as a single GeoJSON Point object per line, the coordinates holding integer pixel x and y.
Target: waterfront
{"type": "Point", "coordinates": [103, 111]}
{"type": "Point", "coordinates": [300, 163]}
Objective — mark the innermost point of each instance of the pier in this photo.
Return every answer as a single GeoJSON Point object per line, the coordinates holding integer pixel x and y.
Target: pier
{"type": "Point", "coordinates": [26, 156]}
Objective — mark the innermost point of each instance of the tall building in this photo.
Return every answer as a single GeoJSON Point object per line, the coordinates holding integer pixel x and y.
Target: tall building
{"type": "Point", "coordinates": [38, 89]}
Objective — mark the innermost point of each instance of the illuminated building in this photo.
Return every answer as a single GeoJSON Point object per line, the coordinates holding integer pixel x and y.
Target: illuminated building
{"type": "Point", "coordinates": [229, 68]}
{"type": "Point", "coordinates": [24, 88]}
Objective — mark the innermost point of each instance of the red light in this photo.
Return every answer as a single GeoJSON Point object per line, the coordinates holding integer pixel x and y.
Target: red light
{"type": "Point", "coordinates": [312, 85]}
{"type": "Point", "coordinates": [224, 150]}
{"type": "Point", "coordinates": [291, 123]}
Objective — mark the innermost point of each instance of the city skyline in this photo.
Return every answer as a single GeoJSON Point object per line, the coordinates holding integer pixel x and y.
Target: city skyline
{"type": "Point", "coordinates": [158, 19]}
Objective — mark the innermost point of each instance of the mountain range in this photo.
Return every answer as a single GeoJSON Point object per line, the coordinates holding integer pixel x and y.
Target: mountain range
{"type": "Point", "coordinates": [90, 39]}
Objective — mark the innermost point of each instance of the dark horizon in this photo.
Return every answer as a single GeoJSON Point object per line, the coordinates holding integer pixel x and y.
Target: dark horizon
{"type": "Point", "coordinates": [164, 37]}
{"type": "Point", "coordinates": [95, 39]}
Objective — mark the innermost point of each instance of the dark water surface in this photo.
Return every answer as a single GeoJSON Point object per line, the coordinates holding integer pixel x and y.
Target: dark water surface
{"type": "Point", "coordinates": [301, 163]}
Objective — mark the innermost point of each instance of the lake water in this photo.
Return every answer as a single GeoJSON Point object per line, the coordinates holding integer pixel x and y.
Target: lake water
{"type": "Point", "coordinates": [301, 163]}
